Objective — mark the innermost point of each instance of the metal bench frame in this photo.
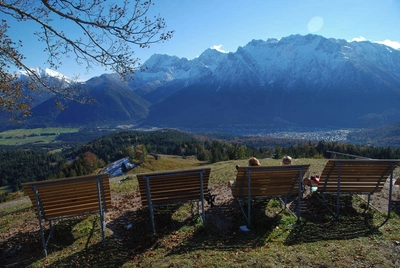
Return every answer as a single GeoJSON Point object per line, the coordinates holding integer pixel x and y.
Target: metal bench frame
{"type": "Point", "coordinates": [299, 171]}
{"type": "Point", "coordinates": [145, 183]}
{"type": "Point", "coordinates": [38, 188]}
{"type": "Point", "coordinates": [337, 165]}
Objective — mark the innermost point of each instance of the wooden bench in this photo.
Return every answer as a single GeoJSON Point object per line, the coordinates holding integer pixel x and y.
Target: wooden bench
{"type": "Point", "coordinates": [356, 176]}
{"type": "Point", "coordinates": [173, 187]}
{"type": "Point", "coordinates": [268, 182]}
{"type": "Point", "coordinates": [68, 197]}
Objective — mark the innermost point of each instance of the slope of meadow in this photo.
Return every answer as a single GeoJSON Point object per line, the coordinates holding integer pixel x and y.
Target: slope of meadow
{"type": "Point", "coordinates": [274, 239]}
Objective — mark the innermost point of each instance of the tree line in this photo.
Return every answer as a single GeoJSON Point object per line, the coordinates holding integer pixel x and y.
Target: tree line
{"type": "Point", "coordinates": [19, 166]}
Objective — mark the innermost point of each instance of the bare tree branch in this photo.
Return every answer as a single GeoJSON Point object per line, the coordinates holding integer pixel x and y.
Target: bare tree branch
{"type": "Point", "coordinates": [108, 34]}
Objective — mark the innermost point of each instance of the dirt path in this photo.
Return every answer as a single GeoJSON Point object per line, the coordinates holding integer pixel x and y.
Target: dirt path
{"type": "Point", "coordinates": [12, 203]}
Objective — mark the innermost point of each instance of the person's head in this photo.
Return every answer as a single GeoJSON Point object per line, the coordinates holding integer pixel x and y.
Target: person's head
{"type": "Point", "coordinates": [254, 162]}
{"type": "Point", "coordinates": [286, 160]}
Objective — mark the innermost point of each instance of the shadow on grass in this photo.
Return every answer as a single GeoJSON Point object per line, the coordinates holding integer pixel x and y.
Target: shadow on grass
{"type": "Point", "coordinates": [396, 206]}
{"type": "Point", "coordinates": [318, 223]}
{"type": "Point", "coordinates": [26, 248]}
{"type": "Point", "coordinates": [21, 250]}
{"type": "Point", "coordinates": [132, 239]}
{"type": "Point", "coordinates": [222, 230]}
{"type": "Point", "coordinates": [132, 235]}
{"type": "Point", "coordinates": [343, 229]}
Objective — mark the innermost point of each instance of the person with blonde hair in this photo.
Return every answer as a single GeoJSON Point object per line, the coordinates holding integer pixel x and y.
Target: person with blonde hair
{"type": "Point", "coordinates": [307, 180]}
{"type": "Point", "coordinates": [253, 162]}
{"type": "Point", "coordinates": [286, 160]}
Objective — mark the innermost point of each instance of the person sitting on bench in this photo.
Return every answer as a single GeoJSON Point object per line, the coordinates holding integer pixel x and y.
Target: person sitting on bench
{"type": "Point", "coordinates": [252, 162]}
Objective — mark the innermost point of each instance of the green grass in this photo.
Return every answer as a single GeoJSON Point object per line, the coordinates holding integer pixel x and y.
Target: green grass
{"type": "Point", "coordinates": [37, 135]}
{"type": "Point", "coordinates": [14, 209]}
{"type": "Point", "coordinates": [126, 185]}
{"type": "Point", "coordinates": [275, 239]}
{"type": "Point", "coordinates": [6, 194]}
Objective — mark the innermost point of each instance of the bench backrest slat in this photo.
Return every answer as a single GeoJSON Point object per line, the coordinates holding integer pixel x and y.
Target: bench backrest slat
{"type": "Point", "coordinates": [69, 196]}
{"type": "Point", "coordinates": [173, 186]}
{"type": "Point", "coordinates": [269, 180]}
{"type": "Point", "coordinates": [356, 176]}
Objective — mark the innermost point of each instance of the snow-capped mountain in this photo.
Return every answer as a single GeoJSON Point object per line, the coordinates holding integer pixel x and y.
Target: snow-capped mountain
{"type": "Point", "coordinates": [297, 80]}
{"type": "Point", "coordinates": [49, 77]}
{"type": "Point", "coordinates": [46, 72]}
{"type": "Point", "coordinates": [311, 59]}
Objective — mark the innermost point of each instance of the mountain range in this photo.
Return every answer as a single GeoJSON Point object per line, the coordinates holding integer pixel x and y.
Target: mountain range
{"type": "Point", "coordinates": [298, 80]}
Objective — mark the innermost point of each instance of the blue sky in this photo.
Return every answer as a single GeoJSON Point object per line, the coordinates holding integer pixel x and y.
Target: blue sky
{"type": "Point", "coordinates": [228, 24]}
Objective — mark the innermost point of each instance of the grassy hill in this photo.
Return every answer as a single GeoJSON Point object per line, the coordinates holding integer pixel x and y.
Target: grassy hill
{"type": "Point", "coordinates": [38, 135]}
{"type": "Point", "coordinates": [275, 239]}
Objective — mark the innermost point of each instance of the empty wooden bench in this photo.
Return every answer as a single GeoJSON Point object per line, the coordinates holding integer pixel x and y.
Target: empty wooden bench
{"type": "Point", "coordinates": [268, 182]}
{"type": "Point", "coordinates": [172, 187]}
{"type": "Point", "coordinates": [68, 197]}
{"type": "Point", "coordinates": [356, 176]}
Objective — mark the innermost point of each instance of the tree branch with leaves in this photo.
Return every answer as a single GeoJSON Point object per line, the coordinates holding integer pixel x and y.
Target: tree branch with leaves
{"type": "Point", "coordinates": [107, 34]}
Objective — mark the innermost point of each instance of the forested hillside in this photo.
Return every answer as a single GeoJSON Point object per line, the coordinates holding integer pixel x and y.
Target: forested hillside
{"type": "Point", "coordinates": [18, 166]}
{"type": "Point", "coordinates": [382, 136]}
{"type": "Point", "coordinates": [21, 166]}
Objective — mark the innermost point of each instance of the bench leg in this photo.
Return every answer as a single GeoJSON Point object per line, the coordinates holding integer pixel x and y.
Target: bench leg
{"type": "Point", "coordinates": [326, 205]}
{"type": "Point", "coordinates": [39, 207]}
{"type": "Point", "coordinates": [203, 213]}
{"type": "Point", "coordinates": [200, 212]}
{"type": "Point", "coordinates": [152, 219]}
{"type": "Point", "coordinates": [43, 238]}
{"type": "Point", "coordinates": [150, 203]}
{"type": "Point", "coordinates": [390, 193]}
{"type": "Point", "coordinates": [102, 226]}
{"type": "Point", "coordinates": [369, 202]}
{"type": "Point", "coordinates": [241, 205]}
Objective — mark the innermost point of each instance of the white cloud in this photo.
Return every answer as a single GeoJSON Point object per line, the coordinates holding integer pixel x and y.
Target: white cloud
{"type": "Point", "coordinates": [219, 48]}
{"type": "Point", "coordinates": [358, 39]}
{"type": "Point", "coordinates": [389, 43]}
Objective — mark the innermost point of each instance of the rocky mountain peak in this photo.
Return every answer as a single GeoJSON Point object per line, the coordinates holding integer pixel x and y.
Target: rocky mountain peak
{"type": "Point", "coordinates": [303, 80]}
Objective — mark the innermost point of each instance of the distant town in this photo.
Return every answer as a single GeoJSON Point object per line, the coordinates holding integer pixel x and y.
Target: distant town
{"type": "Point", "coordinates": [331, 135]}
{"type": "Point", "coordinates": [313, 134]}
